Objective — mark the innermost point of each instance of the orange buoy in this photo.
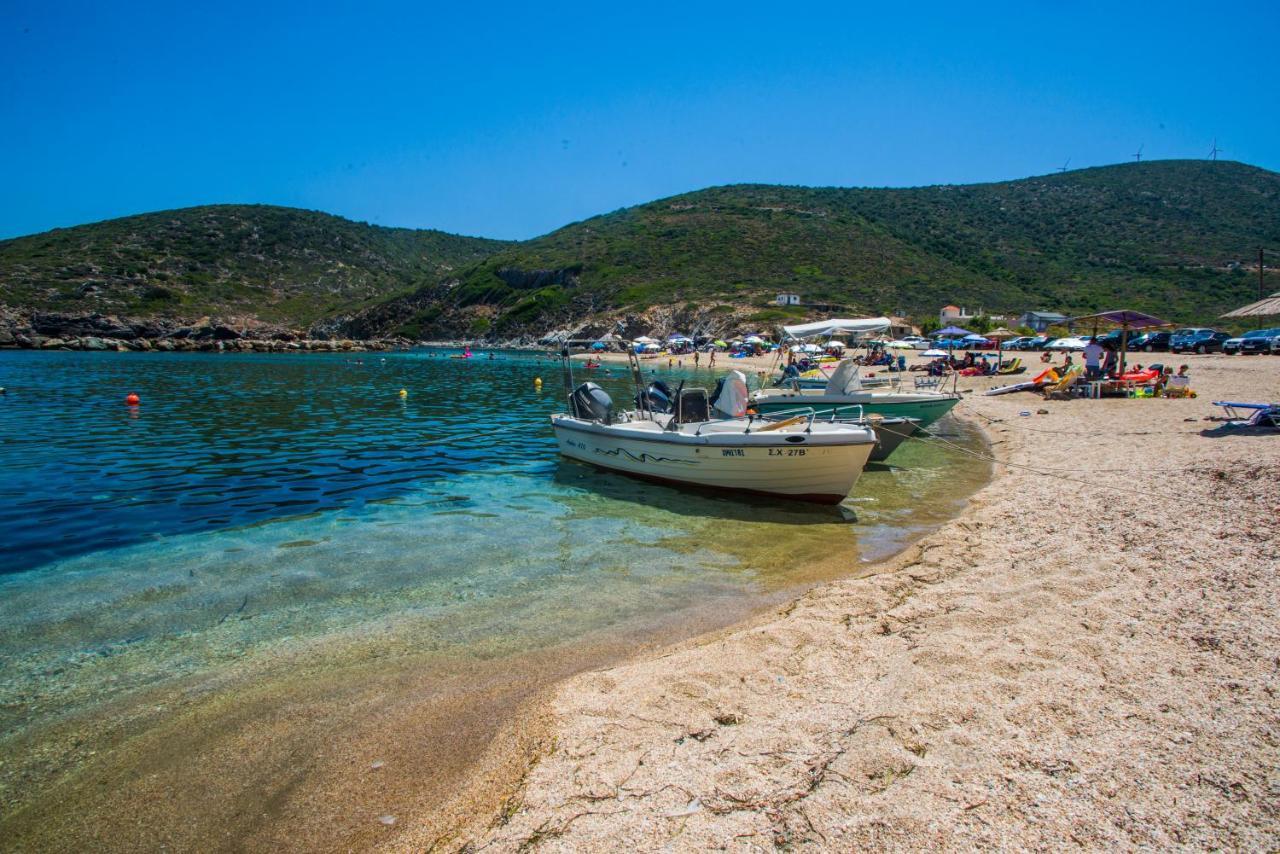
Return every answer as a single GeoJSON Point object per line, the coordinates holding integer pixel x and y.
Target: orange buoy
{"type": "Point", "coordinates": [132, 400]}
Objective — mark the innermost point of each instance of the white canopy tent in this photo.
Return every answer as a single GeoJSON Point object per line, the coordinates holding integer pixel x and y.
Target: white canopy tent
{"type": "Point", "coordinates": [837, 326]}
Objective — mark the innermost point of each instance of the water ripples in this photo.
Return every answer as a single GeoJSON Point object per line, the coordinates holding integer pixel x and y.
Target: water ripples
{"type": "Point", "coordinates": [230, 440]}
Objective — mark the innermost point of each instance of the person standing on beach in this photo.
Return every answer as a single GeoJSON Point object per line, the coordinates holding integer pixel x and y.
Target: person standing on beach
{"type": "Point", "coordinates": [712, 362]}
{"type": "Point", "coordinates": [696, 358]}
{"type": "Point", "coordinates": [1093, 353]}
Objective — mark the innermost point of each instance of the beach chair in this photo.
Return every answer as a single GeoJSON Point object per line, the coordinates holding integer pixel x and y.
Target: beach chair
{"type": "Point", "coordinates": [1258, 414]}
{"type": "Point", "coordinates": [1178, 386]}
{"type": "Point", "coordinates": [1013, 366]}
{"type": "Point", "coordinates": [1063, 389]}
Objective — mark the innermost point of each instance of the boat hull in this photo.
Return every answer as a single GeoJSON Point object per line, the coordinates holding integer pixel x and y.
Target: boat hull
{"type": "Point", "coordinates": [803, 470]}
{"type": "Point", "coordinates": [890, 433]}
{"type": "Point", "coordinates": [927, 409]}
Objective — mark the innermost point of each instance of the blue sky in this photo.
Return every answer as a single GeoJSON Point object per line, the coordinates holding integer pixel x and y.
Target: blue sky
{"type": "Point", "coordinates": [510, 121]}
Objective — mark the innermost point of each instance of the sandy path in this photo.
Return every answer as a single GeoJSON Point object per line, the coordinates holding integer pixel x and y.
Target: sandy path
{"type": "Point", "coordinates": [1067, 662]}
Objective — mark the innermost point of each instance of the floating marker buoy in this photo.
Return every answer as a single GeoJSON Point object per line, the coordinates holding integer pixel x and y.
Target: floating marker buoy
{"type": "Point", "coordinates": [537, 382]}
{"type": "Point", "coordinates": [404, 392]}
{"type": "Point", "coordinates": [132, 400]}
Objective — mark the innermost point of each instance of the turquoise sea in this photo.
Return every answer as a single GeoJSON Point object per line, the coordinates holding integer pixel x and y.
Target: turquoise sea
{"type": "Point", "coordinates": [221, 608]}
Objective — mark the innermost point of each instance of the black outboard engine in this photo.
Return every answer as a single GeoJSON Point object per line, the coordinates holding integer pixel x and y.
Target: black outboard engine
{"type": "Point", "coordinates": [657, 396]}
{"type": "Point", "coordinates": [592, 403]}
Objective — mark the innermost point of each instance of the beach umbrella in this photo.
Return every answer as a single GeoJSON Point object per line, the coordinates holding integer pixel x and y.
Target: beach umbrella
{"type": "Point", "coordinates": [954, 331]}
{"type": "Point", "coordinates": [753, 339]}
{"type": "Point", "coordinates": [935, 353]}
{"type": "Point", "coordinates": [1000, 335]}
{"type": "Point", "coordinates": [719, 343]}
{"type": "Point", "coordinates": [645, 339]}
{"type": "Point", "coordinates": [809, 348]}
{"type": "Point", "coordinates": [1268, 307]}
{"type": "Point", "coordinates": [1126, 319]}
{"type": "Point", "coordinates": [599, 345]}
{"type": "Point", "coordinates": [835, 345]}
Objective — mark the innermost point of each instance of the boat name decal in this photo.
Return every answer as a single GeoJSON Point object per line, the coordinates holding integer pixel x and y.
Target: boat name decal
{"type": "Point", "coordinates": [643, 457]}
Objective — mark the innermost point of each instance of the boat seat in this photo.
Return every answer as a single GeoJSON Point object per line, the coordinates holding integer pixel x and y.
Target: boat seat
{"type": "Point", "coordinates": [693, 406]}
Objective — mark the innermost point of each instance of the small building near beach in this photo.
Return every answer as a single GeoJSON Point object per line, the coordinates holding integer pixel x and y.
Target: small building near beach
{"type": "Point", "coordinates": [1041, 320]}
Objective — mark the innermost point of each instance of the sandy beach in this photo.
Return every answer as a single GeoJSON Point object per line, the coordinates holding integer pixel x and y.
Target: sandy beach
{"type": "Point", "coordinates": [1086, 657]}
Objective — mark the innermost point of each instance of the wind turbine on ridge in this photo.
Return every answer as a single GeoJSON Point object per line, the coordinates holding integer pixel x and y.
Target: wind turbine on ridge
{"type": "Point", "coordinates": [1215, 151]}
{"type": "Point", "coordinates": [1137, 156]}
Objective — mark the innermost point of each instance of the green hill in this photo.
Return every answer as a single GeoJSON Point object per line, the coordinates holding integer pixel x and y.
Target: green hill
{"type": "Point", "coordinates": [278, 264]}
{"type": "Point", "coordinates": [1177, 238]}
{"type": "Point", "coordinates": [1173, 237]}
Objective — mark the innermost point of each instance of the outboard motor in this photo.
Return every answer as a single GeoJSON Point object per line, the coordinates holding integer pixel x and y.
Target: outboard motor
{"type": "Point", "coordinates": [592, 403]}
{"type": "Point", "coordinates": [658, 396]}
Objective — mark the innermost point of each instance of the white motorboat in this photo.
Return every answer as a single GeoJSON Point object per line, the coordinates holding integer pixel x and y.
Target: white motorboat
{"type": "Point", "coordinates": [845, 397]}
{"type": "Point", "coordinates": [706, 441]}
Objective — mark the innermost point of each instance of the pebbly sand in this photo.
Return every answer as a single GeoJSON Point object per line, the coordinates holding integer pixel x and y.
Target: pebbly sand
{"type": "Point", "coordinates": [1088, 656]}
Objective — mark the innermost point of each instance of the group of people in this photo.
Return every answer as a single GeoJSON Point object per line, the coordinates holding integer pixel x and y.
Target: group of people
{"type": "Point", "coordinates": [973, 364]}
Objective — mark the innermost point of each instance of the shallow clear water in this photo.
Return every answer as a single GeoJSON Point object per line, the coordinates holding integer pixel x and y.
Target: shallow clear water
{"type": "Point", "coordinates": [258, 508]}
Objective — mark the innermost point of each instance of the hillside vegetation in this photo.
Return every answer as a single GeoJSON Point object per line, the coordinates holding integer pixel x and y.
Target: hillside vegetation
{"type": "Point", "coordinates": [1177, 238]}
{"type": "Point", "coordinates": [1171, 237]}
{"type": "Point", "coordinates": [277, 264]}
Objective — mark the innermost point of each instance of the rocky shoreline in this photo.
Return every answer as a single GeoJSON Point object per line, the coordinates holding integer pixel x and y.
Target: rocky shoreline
{"type": "Point", "coordinates": [103, 332]}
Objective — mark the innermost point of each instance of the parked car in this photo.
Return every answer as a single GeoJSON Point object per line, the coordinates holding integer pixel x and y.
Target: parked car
{"type": "Point", "coordinates": [1197, 341]}
{"type": "Point", "coordinates": [911, 342]}
{"type": "Point", "coordinates": [1016, 343]}
{"type": "Point", "coordinates": [949, 343]}
{"type": "Point", "coordinates": [1150, 342]}
{"type": "Point", "coordinates": [1037, 343]}
{"type": "Point", "coordinates": [1068, 343]}
{"type": "Point", "coordinates": [1113, 338]}
{"type": "Point", "coordinates": [1257, 342]}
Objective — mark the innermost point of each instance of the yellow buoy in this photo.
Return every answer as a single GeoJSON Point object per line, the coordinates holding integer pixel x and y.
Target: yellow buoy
{"type": "Point", "coordinates": [404, 392]}
{"type": "Point", "coordinates": [537, 382]}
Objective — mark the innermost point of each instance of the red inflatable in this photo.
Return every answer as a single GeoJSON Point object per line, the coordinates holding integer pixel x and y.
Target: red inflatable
{"type": "Point", "coordinates": [1140, 376]}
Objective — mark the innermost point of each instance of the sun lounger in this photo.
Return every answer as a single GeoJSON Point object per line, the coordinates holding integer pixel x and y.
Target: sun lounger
{"type": "Point", "coordinates": [1258, 414]}
{"type": "Point", "coordinates": [1063, 388]}
{"type": "Point", "coordinates": [1011, 367]}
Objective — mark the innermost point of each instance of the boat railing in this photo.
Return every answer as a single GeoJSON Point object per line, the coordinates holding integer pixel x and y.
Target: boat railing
{"type": "Point", "coordinates": [773, 418]}
{"type": "Point", "coordinates": [833, 417]}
